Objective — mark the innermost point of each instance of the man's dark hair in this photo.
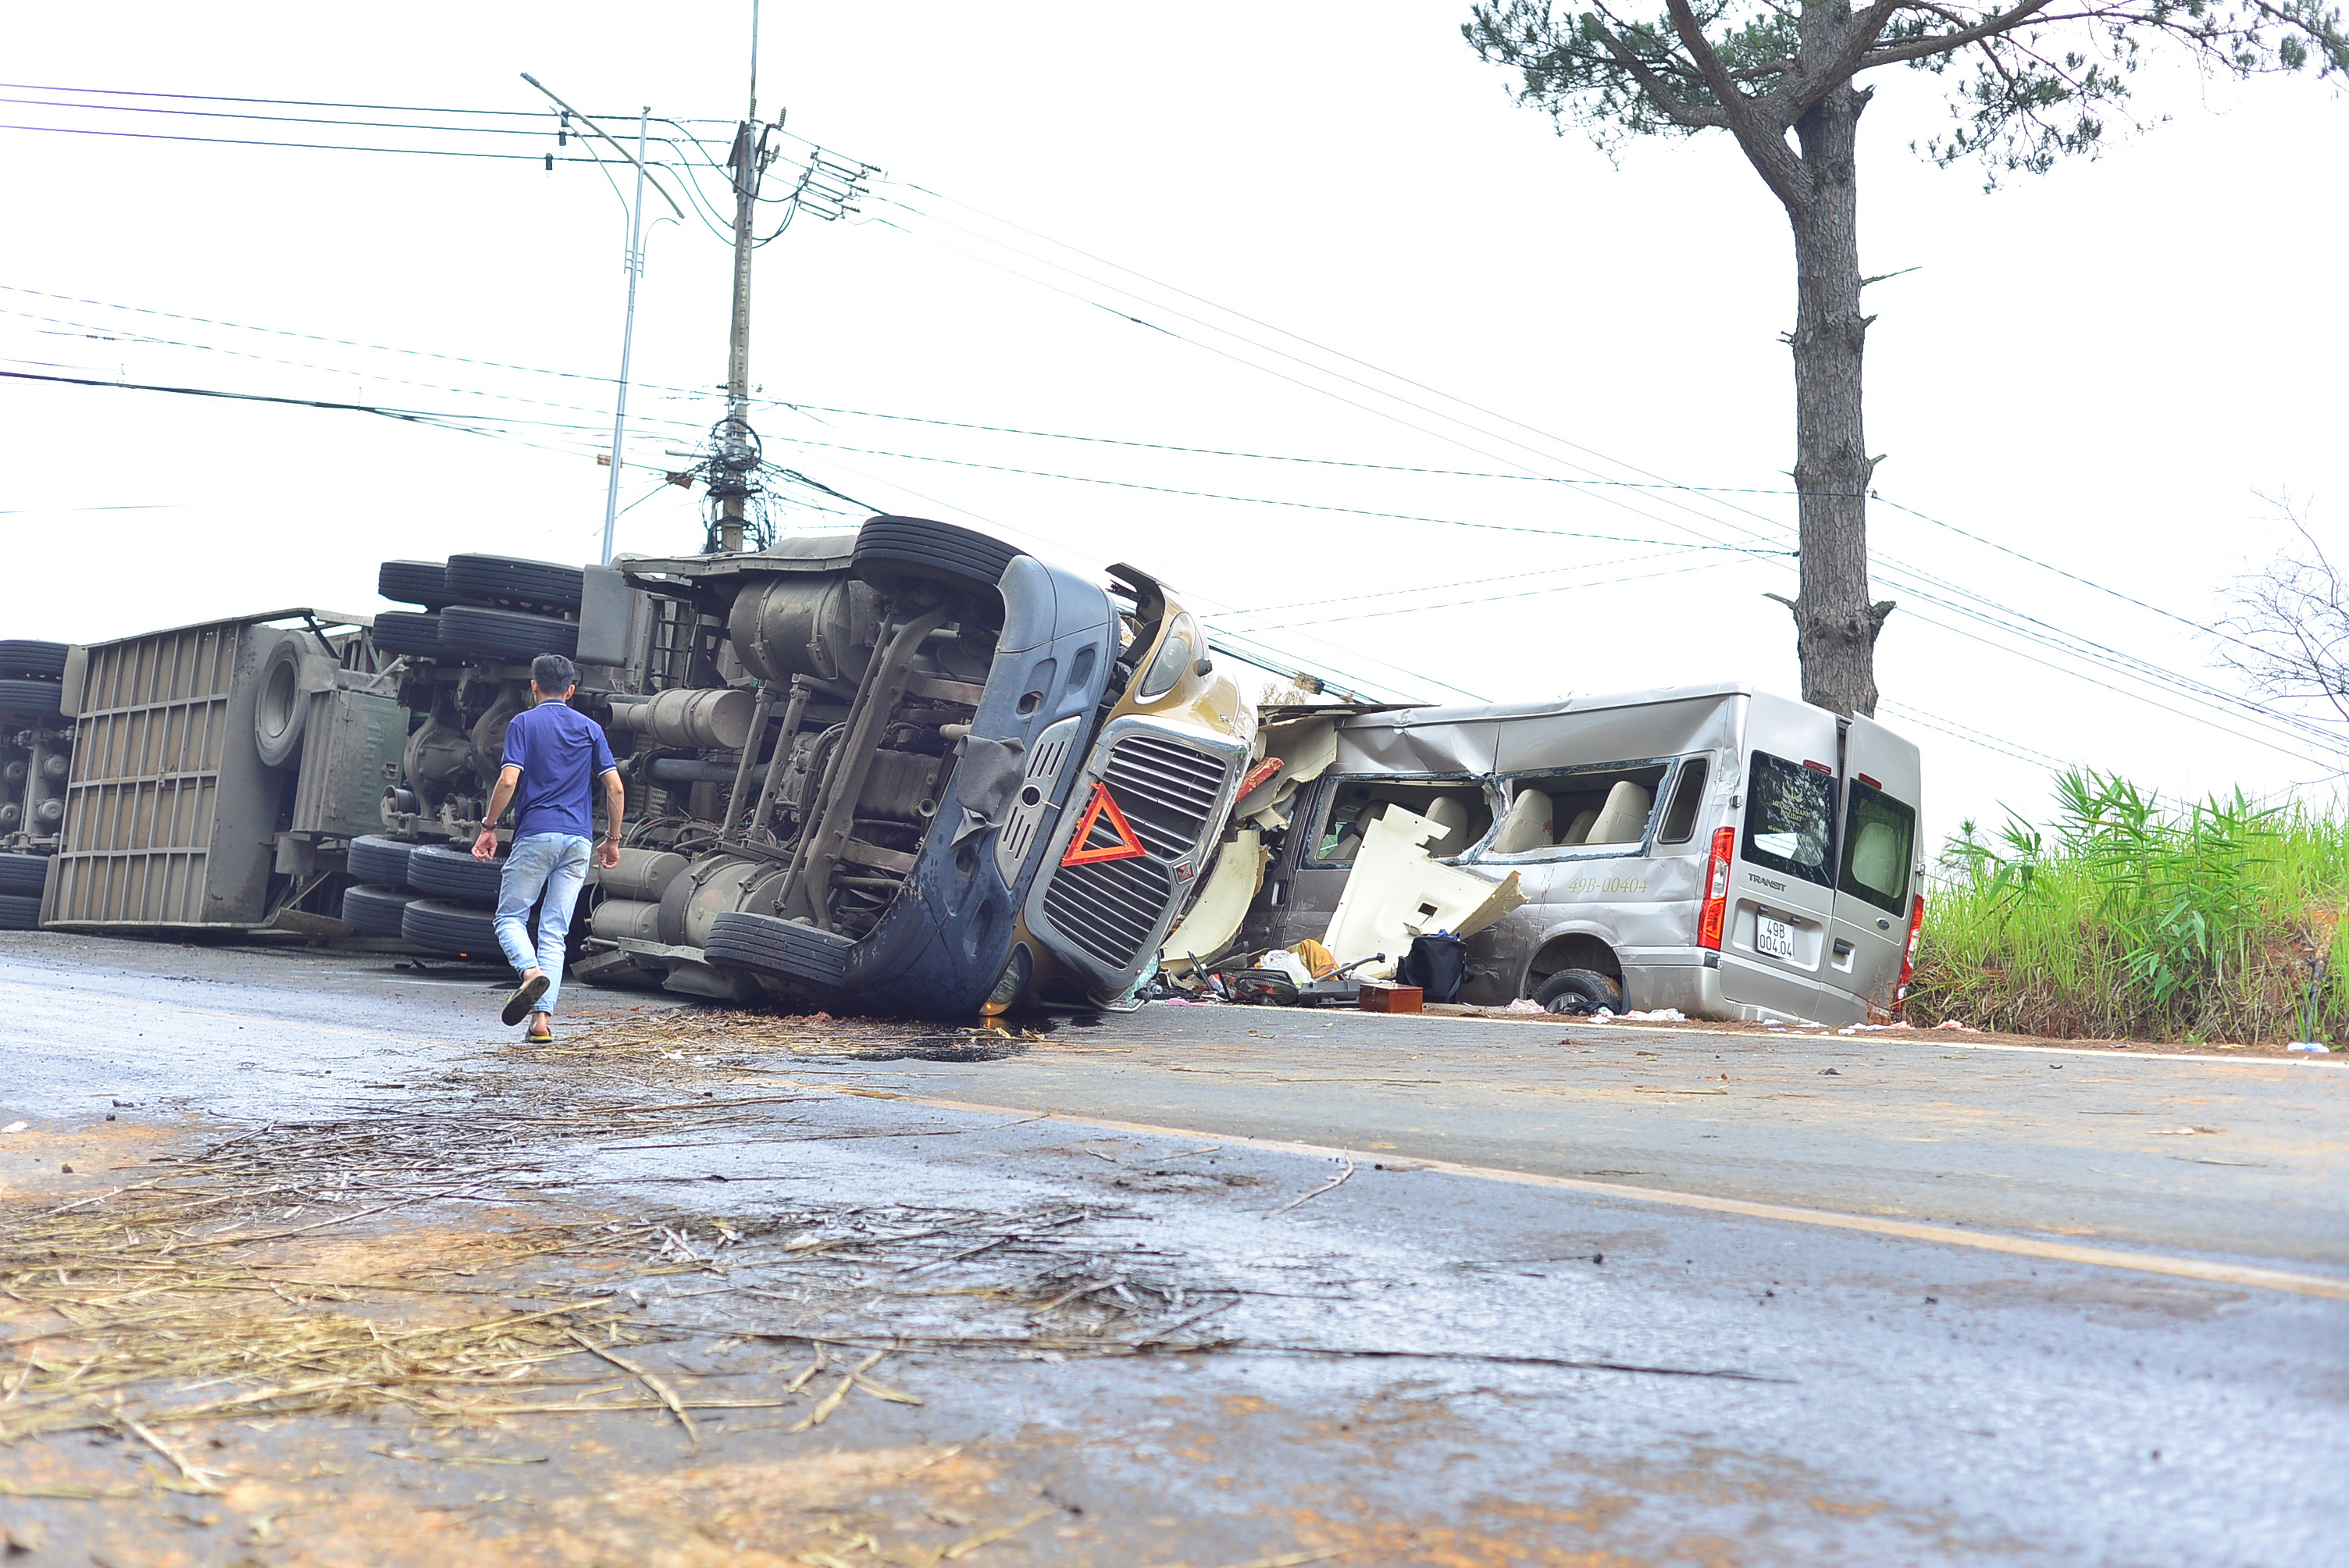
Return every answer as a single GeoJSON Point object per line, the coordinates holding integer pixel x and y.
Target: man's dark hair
{"type": "Point", "coordinates": [552, 673]}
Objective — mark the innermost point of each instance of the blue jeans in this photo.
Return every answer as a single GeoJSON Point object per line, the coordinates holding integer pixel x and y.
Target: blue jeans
{"type": "Point", "coordinates": [554, 864]}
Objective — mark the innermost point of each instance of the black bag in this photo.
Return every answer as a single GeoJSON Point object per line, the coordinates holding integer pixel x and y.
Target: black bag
{"type": "Point", "coordinates": [1437, 964]}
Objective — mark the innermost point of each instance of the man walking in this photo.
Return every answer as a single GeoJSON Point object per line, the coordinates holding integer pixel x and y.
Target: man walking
{"type": "Point", "coordinates": [554, 756]}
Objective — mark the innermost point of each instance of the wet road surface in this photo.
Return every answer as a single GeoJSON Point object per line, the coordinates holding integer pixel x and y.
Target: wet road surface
{"type": "Point", "coordinates": [1370, 1290]}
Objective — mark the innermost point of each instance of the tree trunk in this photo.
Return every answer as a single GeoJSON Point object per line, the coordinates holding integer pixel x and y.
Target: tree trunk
{"type": "Point", "coordinates": [1835, 624]}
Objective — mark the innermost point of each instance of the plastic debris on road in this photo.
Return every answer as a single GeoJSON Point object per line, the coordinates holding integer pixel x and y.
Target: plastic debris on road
{"type": "Point", "coordinates": [2312, 1048]}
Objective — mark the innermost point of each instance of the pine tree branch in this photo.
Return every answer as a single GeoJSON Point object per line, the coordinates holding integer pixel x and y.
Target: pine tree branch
{"type": "Point", "coordinates": [1764, 145]}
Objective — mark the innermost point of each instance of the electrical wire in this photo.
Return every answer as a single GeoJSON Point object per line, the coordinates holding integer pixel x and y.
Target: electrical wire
{"type": "Point", "coordinates": [2196, 691]}
{"type": "Point", "coordinates": [1259, 500]}
{"type": "Point", "coordinates": [279, 103]}
{"type": "Point", "coordinates": [1482, 600]}
{"type": "Point", "coordinates": [287, 118]}
{"type": "Point", "coordinates": [1273, 457]}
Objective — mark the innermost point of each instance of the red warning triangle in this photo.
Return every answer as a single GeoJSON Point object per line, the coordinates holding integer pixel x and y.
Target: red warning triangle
{"type": "Point", "coordinates": [1103, 812]}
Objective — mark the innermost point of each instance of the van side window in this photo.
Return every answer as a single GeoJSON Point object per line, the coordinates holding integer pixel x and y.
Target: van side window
{"type": "Point", "coordinates": [1354, 804]}
{"type": "Point", "coordinates": [1875, 851]}
{"type": "Point", "coordinates": [1687, 794]}
{"type": "Point", "coordinates": [1790, 818]}
{"type": "Point", "coordinates": [1603, 808]}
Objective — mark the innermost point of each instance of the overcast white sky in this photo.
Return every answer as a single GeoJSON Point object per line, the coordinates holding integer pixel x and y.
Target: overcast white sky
{"type": "Point", "coordinates": [2098, 367]}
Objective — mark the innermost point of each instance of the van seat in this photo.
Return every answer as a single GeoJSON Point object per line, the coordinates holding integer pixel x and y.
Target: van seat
{"type": "Point", "coordinates": [1578, 830]}
{"type": "Point", "coordinates": [1451, 813]}
{"type": "Point", "coordinates": [1875, 857]}
{"type": "Point", "coordinates": [1527, 827]}
{"type": "Point", "coordinates": [1624, 818]}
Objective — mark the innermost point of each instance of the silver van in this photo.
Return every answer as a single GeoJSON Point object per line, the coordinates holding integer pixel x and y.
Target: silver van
{"type": "Point", "coordinates": [1711, 849]}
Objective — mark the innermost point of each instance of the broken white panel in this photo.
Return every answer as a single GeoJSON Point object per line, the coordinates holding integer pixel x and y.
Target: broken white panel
{"type": "Point", "coordinates": [1397, 891]}
{"type": "Point", "coordinates": [1306, 747]}
{"type": "Point", "coordinates": [1214, 916]}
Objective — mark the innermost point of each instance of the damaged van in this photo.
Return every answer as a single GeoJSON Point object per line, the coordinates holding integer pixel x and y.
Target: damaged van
{"type": "Point", "coordinates": [1715, 850]}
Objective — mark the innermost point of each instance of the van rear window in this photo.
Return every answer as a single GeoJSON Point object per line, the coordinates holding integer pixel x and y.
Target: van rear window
{"type": "Point", "coordinates": [1876, 849]}
{"type": "Point", "coordinates": [1790, 818]}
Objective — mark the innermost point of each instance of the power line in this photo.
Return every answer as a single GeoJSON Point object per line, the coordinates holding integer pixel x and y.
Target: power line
{"type": "Point", "coordinates": [548, 128]}
{"type": "Point", "coordinates": [2197, 691]}
{"type": "Point", "coordinates": [1277, 457]}
{"type": "Point", "coordinates": [1485, 599]}
{"type": "Point", "coordinates": [1971, 736]}
{"type": "Point", "coordinates": [1259, 500]}
{"type": "Point", "coordinates": [286, 103]}
{"type": "Point", "coordinates": [306, 146]}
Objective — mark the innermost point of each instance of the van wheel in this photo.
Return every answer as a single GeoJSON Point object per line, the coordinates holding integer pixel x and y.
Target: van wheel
{"type": "Point", "coordinates": [1580, 991]}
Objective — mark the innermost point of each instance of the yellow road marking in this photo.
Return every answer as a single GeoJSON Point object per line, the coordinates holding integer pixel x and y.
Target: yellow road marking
{"type": "Point", "coordinates": [1870, 1224]}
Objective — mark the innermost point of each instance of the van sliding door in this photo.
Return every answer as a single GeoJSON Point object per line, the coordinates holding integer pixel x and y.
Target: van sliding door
{"type": "Point", "coordinates": [1876, 863]}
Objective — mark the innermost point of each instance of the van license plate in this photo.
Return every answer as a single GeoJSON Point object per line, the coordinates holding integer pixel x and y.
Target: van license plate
{"type": "Point", "coordinates": [1774, 937]}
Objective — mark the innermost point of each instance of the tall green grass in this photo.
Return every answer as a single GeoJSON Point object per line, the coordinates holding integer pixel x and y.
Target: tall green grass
{"type": "Point", "coordinates": [2128, 917]}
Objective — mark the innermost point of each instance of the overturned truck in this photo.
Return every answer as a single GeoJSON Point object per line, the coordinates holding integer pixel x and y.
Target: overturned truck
{"type": "Point", "coordinates": [911, 768]}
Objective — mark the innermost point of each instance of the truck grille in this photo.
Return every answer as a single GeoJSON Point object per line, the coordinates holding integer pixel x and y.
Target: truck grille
{"type": "Point", "coordinates": [1166, 791]}
{"type": "Point", "coordinates": [1112, 910]}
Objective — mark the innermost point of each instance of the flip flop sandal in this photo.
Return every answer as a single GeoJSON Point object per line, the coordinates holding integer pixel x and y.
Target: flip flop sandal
{"type": "Point", "coordinates": [539, 1037]}
{"type": "Point", "coordinates": [518, 1005]}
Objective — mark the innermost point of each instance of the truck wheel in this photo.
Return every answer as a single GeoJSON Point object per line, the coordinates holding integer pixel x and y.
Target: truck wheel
{"type": "Point", "coordinates": [1580, 991]}
{"type": "Point", "coordinates": [504, 580]}
{"type": "Point", "coordinates": [380, 860]}
{"type": "Point", "coordinates": [424, 582]}
{"type": "Point", "coordinates": [25, 698]}
{"type": "Point", "coordinates": [19, 912]}
{"type": "Point", "coordinates": [377, 911]}
{"type": "Point", "coordinates": [507, 634]}
{"type": "Point", "coordinates": [22, 658]}
{"type": "Point", "coordinates": [447, 927]}
{"type": "Point", "coordinates": [408, 632]}
{"type": "Point", "coordinates": [452, 873]}
{"type": "Point", "coordinates": [24, 874]}
{"type": "Point", "coordinates": [279, 705]}
{"type": "Point", "coordinates": [785, 947]}
{"type": "Point", "coordinates": [893, 550]}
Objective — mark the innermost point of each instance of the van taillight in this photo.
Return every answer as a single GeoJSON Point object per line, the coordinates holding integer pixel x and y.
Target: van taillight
{"type": "Point", "coordinates": [1716, 888]}
{"type": "Point", "coordinates": [1909, 956]}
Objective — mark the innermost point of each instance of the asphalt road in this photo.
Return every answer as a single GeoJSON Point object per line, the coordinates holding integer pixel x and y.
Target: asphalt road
{"type": "Point", "coordinates": [1579, 1294]}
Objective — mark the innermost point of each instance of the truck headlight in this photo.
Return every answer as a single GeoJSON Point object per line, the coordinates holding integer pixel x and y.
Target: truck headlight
{"type": "Point", "coordinates": [1176, 654]}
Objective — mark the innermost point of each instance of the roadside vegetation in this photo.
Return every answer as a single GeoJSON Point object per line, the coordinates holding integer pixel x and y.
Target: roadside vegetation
{"type": "Point", "coordinates": [2131, 917]}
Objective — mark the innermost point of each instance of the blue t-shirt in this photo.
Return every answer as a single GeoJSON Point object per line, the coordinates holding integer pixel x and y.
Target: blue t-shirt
{"type": "Point", "coordinates": [561, 752]}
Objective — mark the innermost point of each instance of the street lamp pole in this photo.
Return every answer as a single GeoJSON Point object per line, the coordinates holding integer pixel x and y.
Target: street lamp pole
{"type": "Point", "coordinates": [627, 339]}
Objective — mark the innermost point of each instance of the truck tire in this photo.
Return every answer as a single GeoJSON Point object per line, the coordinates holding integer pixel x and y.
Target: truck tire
{"type": "Point", "coordinates": [25, 876]}
{"type": "Point", "coordinates": [30, 698]}
{"type": "Point", "coordinates": [21, 658]}
{"type": "Point", "coordinates": [424, 582]}
{"type": "Point", "coordinates": [448, 871]}
{"type": "Point", "coordinates": [408, 631]}
{"type": "Point", "coordinates": [380, 860]}
{"type": "Point", "coordinates": [445, 927]}
{"type": "Point", "coordinates": [508, 634]}
{"type": "Point", "coordinates": [504, 580]}
{"type": "Point", "coordinates": [19, 912]}
{"type": "Point", "coordinates": [280, 706]}
{"type": "Point", "coordinates": [1580, 991]}
{"type": "Point", "coordinates": [377, 911]}
{"type": "Point", "coordinates": [784, 947]}
{"type": "Point", "coordinates": [893, 550]}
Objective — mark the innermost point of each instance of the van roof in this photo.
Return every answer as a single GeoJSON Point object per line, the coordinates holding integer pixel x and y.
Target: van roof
{"type": "Point", "coordinates": [1464, 713]}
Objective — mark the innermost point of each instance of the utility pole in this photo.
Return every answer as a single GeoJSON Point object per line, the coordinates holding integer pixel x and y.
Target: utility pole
{"type": "Point", "coordinates": [627, 339]}
{"type": "Point", "coordinates": [635, 264]}
{"type": "Point", "coordinates": [737, 457]}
